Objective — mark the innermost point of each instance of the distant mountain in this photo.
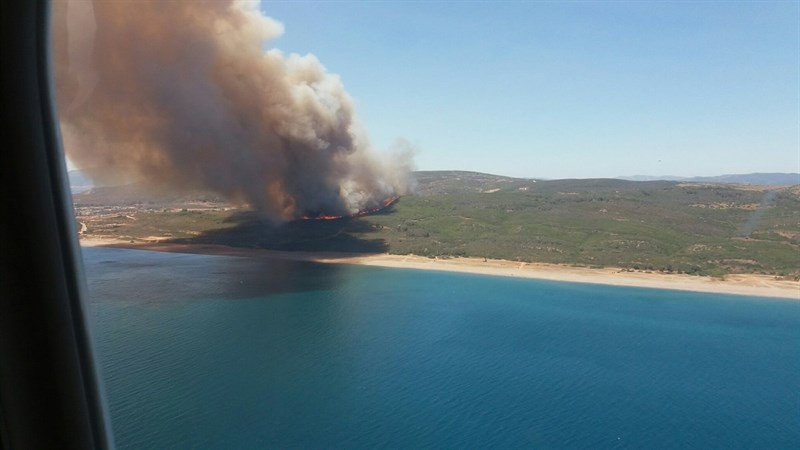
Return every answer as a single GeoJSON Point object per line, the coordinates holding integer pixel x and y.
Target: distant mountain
{"type": "Point", "coordinates": [79, 181]}
{"type": "Point", "coordinates": [140, 194]}
{"type": "Point", "coordinates": [771, 179]}
{"type": "Point", "coordinates": [456, 182]}
{"type": "Point", "coordinates": [651, 178]}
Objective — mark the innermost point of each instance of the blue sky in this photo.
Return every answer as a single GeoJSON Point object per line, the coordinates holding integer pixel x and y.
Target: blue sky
{"type": "Point", "coordinates": [567, 89]}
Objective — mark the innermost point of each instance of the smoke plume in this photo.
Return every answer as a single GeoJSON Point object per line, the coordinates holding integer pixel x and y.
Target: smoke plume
{"type": "Point", "coordinates": [183, 95]}
{"type": "Point", "coordinates": [766, 202]}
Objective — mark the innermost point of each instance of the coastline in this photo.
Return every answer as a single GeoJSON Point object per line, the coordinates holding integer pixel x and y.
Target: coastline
{"type": "Point", "coordinates": [738, 284]}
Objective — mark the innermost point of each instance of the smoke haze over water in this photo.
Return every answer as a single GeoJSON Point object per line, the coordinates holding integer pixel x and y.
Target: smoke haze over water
{"type": "Point", "coordinates": [183, 95]}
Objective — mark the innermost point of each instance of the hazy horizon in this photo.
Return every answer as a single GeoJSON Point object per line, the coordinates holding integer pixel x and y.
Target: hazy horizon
{"type": "Point", "coordinates": [71, 168]}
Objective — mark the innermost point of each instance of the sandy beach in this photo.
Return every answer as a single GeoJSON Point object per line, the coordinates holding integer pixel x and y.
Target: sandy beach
{"type": "Point", "coordinates": [739, 284]}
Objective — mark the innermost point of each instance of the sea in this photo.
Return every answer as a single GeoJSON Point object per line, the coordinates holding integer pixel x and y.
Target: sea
{"type": "Point", "coordinates": [221, 352]}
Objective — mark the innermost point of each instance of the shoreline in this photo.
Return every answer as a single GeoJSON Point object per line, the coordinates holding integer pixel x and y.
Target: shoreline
{"type": "Point", "coordinates": [739, 284]}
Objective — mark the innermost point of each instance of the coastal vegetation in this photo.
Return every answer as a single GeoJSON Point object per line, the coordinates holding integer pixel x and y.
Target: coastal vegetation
{"type": "Point", "coordinates": [656, 226]}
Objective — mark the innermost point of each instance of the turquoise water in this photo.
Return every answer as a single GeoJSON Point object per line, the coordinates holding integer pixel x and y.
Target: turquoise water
{"type": "Point", "coordinates": [221, 352]}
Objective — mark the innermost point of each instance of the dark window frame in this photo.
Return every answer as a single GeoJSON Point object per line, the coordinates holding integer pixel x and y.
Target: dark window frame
{"type": "Point", "coordinates": [50, 393]}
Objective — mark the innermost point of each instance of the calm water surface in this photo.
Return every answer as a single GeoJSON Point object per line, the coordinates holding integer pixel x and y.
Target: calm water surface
{"type": "Point", "coordinates": [221, 352]}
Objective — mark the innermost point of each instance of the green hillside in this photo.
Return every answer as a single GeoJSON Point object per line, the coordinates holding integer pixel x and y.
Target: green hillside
{"type": "Point", "coordinates": [710, 229]}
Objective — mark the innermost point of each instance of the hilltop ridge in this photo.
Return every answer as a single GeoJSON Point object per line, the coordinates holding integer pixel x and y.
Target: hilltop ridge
{"type": "Point", "coordinates": [770, 179]}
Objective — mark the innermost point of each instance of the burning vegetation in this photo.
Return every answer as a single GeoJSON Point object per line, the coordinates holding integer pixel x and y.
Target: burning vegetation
{"type": "Point", "coordinates": [202, 106]}
{"type": "Point", "coordinates": [385, 204]}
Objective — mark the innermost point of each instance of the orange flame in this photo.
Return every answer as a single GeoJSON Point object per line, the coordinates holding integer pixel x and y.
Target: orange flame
{"type": "Point", "coordinates": [385, 204]}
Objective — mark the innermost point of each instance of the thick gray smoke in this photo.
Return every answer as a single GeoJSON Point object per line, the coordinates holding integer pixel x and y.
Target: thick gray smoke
{"type": "Point", "coordinates": [183, 94]}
